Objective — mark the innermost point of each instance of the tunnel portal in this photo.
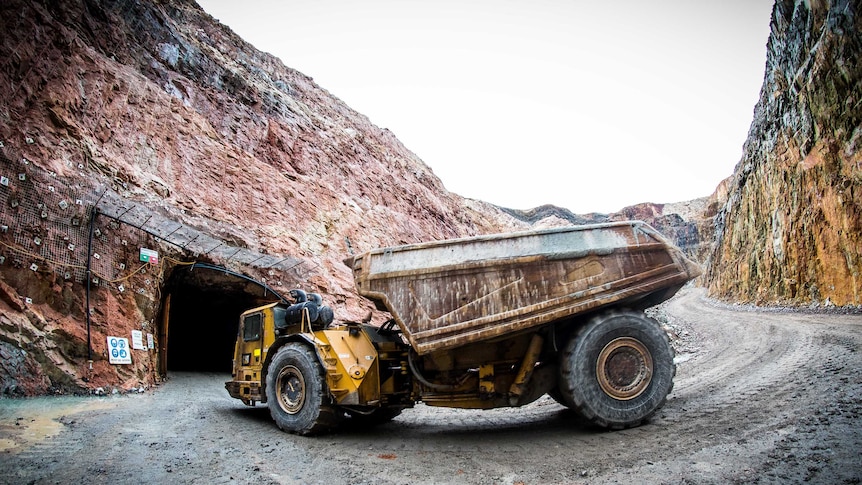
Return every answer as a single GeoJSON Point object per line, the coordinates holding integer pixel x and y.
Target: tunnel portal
{"type": "Point", "coordinates": [200, 315]}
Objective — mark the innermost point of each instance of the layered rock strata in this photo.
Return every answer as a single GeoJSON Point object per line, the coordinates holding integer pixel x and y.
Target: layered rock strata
{"type": "Point", "coordinates": [180, 133]}
{"type": "Point", "coordinates": [791, 229]}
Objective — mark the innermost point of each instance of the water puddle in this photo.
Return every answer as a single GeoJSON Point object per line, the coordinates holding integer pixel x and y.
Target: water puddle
{"type": "Point", "coordinates": [24, 422]}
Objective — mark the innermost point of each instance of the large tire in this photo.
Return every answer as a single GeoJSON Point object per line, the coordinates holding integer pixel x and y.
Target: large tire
{"type": "Point", "coordinates": [296, 392]}
{"type": "Point", "coordinates": [617, 370]}
{"type": "Point", "coordinates": [557, 395]}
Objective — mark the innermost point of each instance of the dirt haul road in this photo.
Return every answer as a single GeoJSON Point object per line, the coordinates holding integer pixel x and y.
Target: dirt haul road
{"type": "Point", "coordinates": [760, 397]}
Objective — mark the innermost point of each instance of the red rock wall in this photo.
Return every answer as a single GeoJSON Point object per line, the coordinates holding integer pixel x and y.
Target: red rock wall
{"type": "Point", "coordinates": [155, 104]}
{"type": "Point", "coordinates": [162, 106]}
{"type": "Point", "coordinates": [791, 229]}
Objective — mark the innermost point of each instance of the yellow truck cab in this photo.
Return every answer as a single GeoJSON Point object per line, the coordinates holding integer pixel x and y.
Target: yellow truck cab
{"type": "Point", "coordinates": [252, 347]}
{"type": "Point", "coordinates": [288, 355]}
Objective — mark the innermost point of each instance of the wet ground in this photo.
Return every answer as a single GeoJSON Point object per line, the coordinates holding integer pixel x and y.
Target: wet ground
{"type": "Point", "coordinates": [760, 397]}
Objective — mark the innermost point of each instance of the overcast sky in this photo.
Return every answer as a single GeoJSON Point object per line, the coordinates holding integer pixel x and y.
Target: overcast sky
{"type": "Point", "coordinates": [588, 105]}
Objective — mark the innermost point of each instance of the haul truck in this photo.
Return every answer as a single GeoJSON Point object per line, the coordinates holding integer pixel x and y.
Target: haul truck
{"type": "Point", "coordinates": [481, 322]}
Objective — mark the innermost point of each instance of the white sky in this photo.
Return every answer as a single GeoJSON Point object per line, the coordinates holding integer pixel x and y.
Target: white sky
{"type": "Point", "coordinates": [588, 105]}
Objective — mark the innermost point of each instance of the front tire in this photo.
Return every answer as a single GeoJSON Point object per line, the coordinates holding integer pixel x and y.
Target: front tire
{"type": "Point", "coordinates": [617, 370]}
{"type": "Point", "coordinates": [296, 392]}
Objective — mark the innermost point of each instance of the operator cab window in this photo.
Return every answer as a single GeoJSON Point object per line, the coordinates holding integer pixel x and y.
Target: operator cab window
{"type": "Point", "coordinates": [251, 327]}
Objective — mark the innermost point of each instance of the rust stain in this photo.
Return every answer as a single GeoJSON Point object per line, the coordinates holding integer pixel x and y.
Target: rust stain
{"type": "Point", "coordinates": [582, 272]}
{"type": "Point", "coordinates": [452, 293]}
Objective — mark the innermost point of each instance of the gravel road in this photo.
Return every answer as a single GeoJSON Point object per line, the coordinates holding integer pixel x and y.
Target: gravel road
{"type": "Point", "coordinates": [760, 397]}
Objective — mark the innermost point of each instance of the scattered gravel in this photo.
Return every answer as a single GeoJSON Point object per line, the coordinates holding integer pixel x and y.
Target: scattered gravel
{"type": "Point", "coordinates": [760, 397]}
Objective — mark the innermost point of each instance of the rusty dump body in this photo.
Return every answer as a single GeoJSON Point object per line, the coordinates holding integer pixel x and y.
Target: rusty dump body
{"type": "Point", "coordinates": [451, 293]}
{"type": "Point", "coordinates": [477, 323]}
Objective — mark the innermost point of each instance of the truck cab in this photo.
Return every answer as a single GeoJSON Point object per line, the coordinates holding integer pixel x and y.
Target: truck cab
{"type": "Point", "coordinates": [252, 347]}
{"type": "Point", "coordinates": [286, 352]}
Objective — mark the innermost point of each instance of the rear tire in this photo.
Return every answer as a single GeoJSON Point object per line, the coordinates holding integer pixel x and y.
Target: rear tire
{"type": "Point", "coordinates": [557, 395]}
{"type": "Point", "coordinates": [617, 370]}
{"type": "Point", "coordinates": [296, 392]}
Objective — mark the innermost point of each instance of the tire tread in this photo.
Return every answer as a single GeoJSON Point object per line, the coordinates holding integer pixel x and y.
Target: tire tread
{"type": "Point", "coordinates": [326, 416]}
{"type": "Point", "coordinates": [568, 387]}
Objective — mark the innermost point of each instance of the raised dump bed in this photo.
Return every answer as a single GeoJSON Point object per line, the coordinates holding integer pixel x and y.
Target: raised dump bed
{"type": "Point", "coordinates": [450, 293]}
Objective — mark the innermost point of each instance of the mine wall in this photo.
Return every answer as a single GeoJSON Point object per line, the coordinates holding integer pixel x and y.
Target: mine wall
{"type": "Point", "coordinates": [790, 231]}
{"type": "Point", "coordinates": [162, 295]}
{"type": "Point", "coordinates": [178, 176]}
{"type": "Point", "coordinates": [161, 130]}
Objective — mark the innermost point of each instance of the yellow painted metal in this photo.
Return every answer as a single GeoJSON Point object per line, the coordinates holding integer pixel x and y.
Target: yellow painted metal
{"type": "Point", "coordinates": [486, 378]}
{"type": "Point", "coordinates": [346, 354]}
{"type": "Point", "coordinates": [249, 355]}
{"type": "Point", "coordinates": [527, 366]}
{"type": "Point", "coordinates": [465, 401]}
{"type": "Point", "coordinates": [351, 363]}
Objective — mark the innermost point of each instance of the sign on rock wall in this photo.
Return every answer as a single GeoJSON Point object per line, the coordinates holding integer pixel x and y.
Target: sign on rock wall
{"type": "Point", "coordinates": [119, 351]}
{"type": "Point", "coordinates": [149, 256]}
{"type": "Point", "coordinates": [138, 340]}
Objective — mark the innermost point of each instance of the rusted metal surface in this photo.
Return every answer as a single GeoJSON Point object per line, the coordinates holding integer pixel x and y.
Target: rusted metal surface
{"type": "Point", "coordinates": [624, 368]}
{"type": "Point", "coordinates": [450, 293]}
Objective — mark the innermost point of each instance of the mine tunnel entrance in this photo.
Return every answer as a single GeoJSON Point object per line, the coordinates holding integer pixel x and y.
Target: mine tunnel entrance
{"type": "Point", "coordinates": [200, 316]}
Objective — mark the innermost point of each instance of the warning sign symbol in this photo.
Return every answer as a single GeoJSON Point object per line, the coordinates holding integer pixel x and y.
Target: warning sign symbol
{"type": "Point", "coordinates": [118, 350]}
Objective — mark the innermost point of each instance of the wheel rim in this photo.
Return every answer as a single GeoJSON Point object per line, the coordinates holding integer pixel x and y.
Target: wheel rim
{"type": "Point", "coordinates": [290, 387]}
{"type": "Point", "coordinates": [624, 368]}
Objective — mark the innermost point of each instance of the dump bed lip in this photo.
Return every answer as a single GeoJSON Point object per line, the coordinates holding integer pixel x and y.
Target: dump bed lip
{"type": "Point", "coordinates": [635, 224]}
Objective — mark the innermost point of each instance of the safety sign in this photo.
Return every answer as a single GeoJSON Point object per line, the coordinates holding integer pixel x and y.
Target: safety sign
{"type": "Point", "coordinates": [119, 351]}
{"type": "Point", "coordinates": [149, 256]}
{"type": "Point", "coordinates": [138, 340]}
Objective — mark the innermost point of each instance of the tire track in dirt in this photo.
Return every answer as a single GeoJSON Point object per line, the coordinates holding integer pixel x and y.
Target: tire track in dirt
{"type": "Point", "coordinates": [749, 354]}
{"type": "Point", "coordinates": [760, 397]}
{"type": "Point", "coordinates": [742, 360]}
{"type": "Point", "coordinates": [757, 382]}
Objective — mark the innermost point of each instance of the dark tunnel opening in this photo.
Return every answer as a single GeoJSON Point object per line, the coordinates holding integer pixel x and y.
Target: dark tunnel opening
{"type": "Point", "coordinates": [205, 303]}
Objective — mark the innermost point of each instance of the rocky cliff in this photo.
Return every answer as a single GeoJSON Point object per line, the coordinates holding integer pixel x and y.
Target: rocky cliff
{"type": "Point", "coordinates": [160, 175]}
{"type": "Point", "coordinates": [791, 229]}
{"type": "Point", "coordinates": [189, 142]}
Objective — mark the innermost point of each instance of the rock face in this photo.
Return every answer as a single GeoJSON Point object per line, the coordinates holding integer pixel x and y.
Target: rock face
{"type": "Point", "coordinates": [190, 142]}
{"type": "Point", "coordinates": [790, 231]}
{"type": "Point", "coordinates": [689, 225]}
{"type": "Point", "coordinates": [158, 175]}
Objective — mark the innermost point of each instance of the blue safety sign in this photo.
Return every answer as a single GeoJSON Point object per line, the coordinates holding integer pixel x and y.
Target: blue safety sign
{"type": "Point", "coordinates": [118, 350]}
